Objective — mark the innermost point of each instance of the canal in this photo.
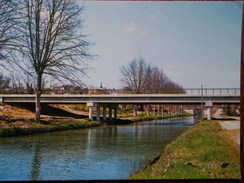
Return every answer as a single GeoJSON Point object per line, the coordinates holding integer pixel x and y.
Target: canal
{"type": "Point", "coordinates": [111, 152]}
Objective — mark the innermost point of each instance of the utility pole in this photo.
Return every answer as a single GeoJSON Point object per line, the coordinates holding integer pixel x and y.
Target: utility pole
{"type": "Point", "coordinates": [242, 92]}
{"type": "Point", "coordinates": [202, 107]}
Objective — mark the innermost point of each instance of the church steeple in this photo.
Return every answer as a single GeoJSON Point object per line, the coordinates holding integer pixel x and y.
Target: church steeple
{"type": "Point", "coordinates": [101, 86]}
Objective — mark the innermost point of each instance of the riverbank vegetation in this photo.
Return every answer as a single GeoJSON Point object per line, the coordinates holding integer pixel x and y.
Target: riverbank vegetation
{"type": "Point", "coordinates": [230, 110]}
{"type": "Point", "coordinates": [55, 124]}
{"type": "Point", "coordinates": [20, 119]}
{"type": "Point", "coordinates": [144, 117]}
{"type": "Point", "coordinates": [203, 152]}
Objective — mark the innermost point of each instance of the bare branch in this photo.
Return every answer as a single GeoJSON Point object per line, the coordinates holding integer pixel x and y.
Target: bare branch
{"type": "Point", "coordinates": [50, 42]}
{"type": "Point", "coordinates": [140, 77]}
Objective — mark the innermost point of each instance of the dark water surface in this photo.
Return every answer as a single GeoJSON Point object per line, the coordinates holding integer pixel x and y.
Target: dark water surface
{"type": "Point", "coordinates": [112, 152]}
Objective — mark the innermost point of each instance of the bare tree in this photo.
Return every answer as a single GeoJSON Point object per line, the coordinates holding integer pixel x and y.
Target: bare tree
{"type": "Point", "coordinates": [141, 77]}
{"type": "Point", "coordinates": [51, 42]}
{"type": "Point", "coordinates": [154, 80]}
{"type": "Point", "coordinates": [133, 75]}
{"type": "Point", "coordinates": [8, 34]}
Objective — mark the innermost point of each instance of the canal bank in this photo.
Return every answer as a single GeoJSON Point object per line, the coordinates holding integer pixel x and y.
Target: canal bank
{"type": "Point", "coordinates": [206, 151]}
{"type": "Point", "coordinates": [27, 127]}
{"type": "Point", "coordinates": [24, 124]}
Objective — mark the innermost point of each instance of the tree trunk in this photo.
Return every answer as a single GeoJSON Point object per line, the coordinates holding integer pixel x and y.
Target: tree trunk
{"type": "Point", "coordinates": [38, 106]}
{"type": "Point", "coordinates": [38, 99]}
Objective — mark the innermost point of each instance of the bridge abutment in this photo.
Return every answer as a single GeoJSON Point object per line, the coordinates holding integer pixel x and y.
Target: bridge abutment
{"type": "Point", "coordinates": [208, 106]}
{"type": "Point", "coordinates": [207, 112]}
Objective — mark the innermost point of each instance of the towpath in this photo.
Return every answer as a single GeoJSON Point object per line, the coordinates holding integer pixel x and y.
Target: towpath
{"type": "Point", "coordinates": [233, 125]}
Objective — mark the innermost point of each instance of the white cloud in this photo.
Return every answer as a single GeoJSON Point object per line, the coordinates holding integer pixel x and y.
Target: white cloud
{"type": "Point", "coordinates": [130, 28]}
{"type": "Point", "coordinates": [133, 27]}
{"type": "Point", "coordinates": [152, 17]}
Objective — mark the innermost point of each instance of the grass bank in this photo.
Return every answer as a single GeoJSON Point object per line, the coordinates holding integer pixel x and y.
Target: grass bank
{"type": "Point", "coordinates": [54, 124]}
{"type": "Point", "coordinates": [203, 152]}
{"type": "Point", "coordinates": [144, 117]}
{"type": "Point", "coordinates": [150, 118]}
{"type": "Point", "coordinates": [19, 120]}
{"type": "Point", "coordinates": [16, 127]}
{"type": "Point", "coordinates": [140, 118]}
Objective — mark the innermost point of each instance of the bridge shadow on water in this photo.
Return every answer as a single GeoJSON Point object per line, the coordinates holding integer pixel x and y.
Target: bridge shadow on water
{"type": "Point", "coordinates": [49, 110]}
{"type": "Point", "coordinates": [223, 118]}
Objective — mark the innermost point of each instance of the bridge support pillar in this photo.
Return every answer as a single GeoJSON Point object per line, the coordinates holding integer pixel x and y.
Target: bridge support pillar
{"type": "Point", "coordinates": [209, 113]}
{"type": "Point", "coordinates": [154, 110]}
{"type": "Point", "coordinates": [135, 110]}
{"type": "Point", "coordinates": [208, 106]}
{"type": "Point", "coordinates": [110, 112]}
{"type": "Point", "coordinates": [115, 112]}
{"type": "Point", "coordinates": [90, 112]}
{"type": "Point", "coordinates": [104, 113]}
{"type": "Point", "coordinates": [98, 113]}
{"type": "Point", "coordinates": [158, 110]}
{"type": "Point", "coordinates": [91, 105]}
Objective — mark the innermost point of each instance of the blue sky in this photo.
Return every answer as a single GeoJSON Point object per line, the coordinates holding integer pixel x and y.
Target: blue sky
{"type": "Point", "coordinates": [194, 43]}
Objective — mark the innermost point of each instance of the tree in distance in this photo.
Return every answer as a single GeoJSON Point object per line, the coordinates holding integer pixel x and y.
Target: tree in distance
{"type": "Point", "coordinates": [139, 76]}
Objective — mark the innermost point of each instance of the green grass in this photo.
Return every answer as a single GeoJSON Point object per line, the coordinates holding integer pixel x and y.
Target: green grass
{"type": "Point", "coordinates": [203, 152]}
{"type": "Point", "coordinates": [59, 124]}
{"type": "Point", "coordinates": [144, 117]}
{"type": "Point", "coordinates": [48, 126]}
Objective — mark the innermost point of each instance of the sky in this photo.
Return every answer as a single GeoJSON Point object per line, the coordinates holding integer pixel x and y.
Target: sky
{"type": "Point", "coordinates": [194, 43]}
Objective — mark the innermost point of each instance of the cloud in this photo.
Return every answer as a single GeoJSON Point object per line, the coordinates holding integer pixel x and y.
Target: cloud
{"type": "Point", "coordinates": [130, 28]}
{"type": "Point", "coordinates": [152, 17]}
{"type": "Point", "coordinates": [133, 27]}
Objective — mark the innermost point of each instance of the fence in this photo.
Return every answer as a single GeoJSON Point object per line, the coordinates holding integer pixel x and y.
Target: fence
{"type": "Point", "coordinates": [196, 91]}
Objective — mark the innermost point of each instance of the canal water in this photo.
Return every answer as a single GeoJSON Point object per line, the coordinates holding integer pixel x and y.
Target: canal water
{"type": "Point", "coordinates": [112, 152]}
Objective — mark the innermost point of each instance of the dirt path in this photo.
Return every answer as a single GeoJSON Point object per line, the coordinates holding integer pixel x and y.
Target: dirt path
{"type": "Point", "coordinates": [230, 125]}
{"type": "Point", "coordinates": [233, 126]}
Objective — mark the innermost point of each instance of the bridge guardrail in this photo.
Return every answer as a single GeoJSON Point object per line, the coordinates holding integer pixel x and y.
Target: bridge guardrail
{"type": "Point", "coordinates": [213, 91]}
{"type": "Point", "coordinates": [197, 91]}
{"type": "Point", "coordinates": [190, 91]}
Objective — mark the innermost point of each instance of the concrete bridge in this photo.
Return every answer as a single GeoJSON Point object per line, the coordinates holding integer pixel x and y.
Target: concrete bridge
{"type": "Point", "coordinates": [112, 101]}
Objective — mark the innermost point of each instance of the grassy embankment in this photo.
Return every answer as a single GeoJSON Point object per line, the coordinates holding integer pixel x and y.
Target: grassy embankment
{"type": "Point", "coordinates": [19, 120]}
{"type": "Point", "coordinates": [142, 116]}
{"type": "Point", "coordinates": [57, 124]}
{"type": "Point", "coordinates": [203, 152]}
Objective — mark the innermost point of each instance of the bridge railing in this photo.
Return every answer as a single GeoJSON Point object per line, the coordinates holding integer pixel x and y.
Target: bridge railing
{"type": "Point", "coordinates": [212, 91]}
{"type": "Point", "coordinates": [196, 91]}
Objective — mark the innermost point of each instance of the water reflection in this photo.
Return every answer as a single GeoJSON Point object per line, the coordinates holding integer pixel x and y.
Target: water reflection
{"type": "Point", "coordinates": [35, 169]}
{"type": "Point", "coordinates": [112, 152]}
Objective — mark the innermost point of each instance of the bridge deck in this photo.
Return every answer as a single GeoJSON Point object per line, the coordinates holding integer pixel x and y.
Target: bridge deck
{"type": "Point", "coordinates": [126, 99]}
